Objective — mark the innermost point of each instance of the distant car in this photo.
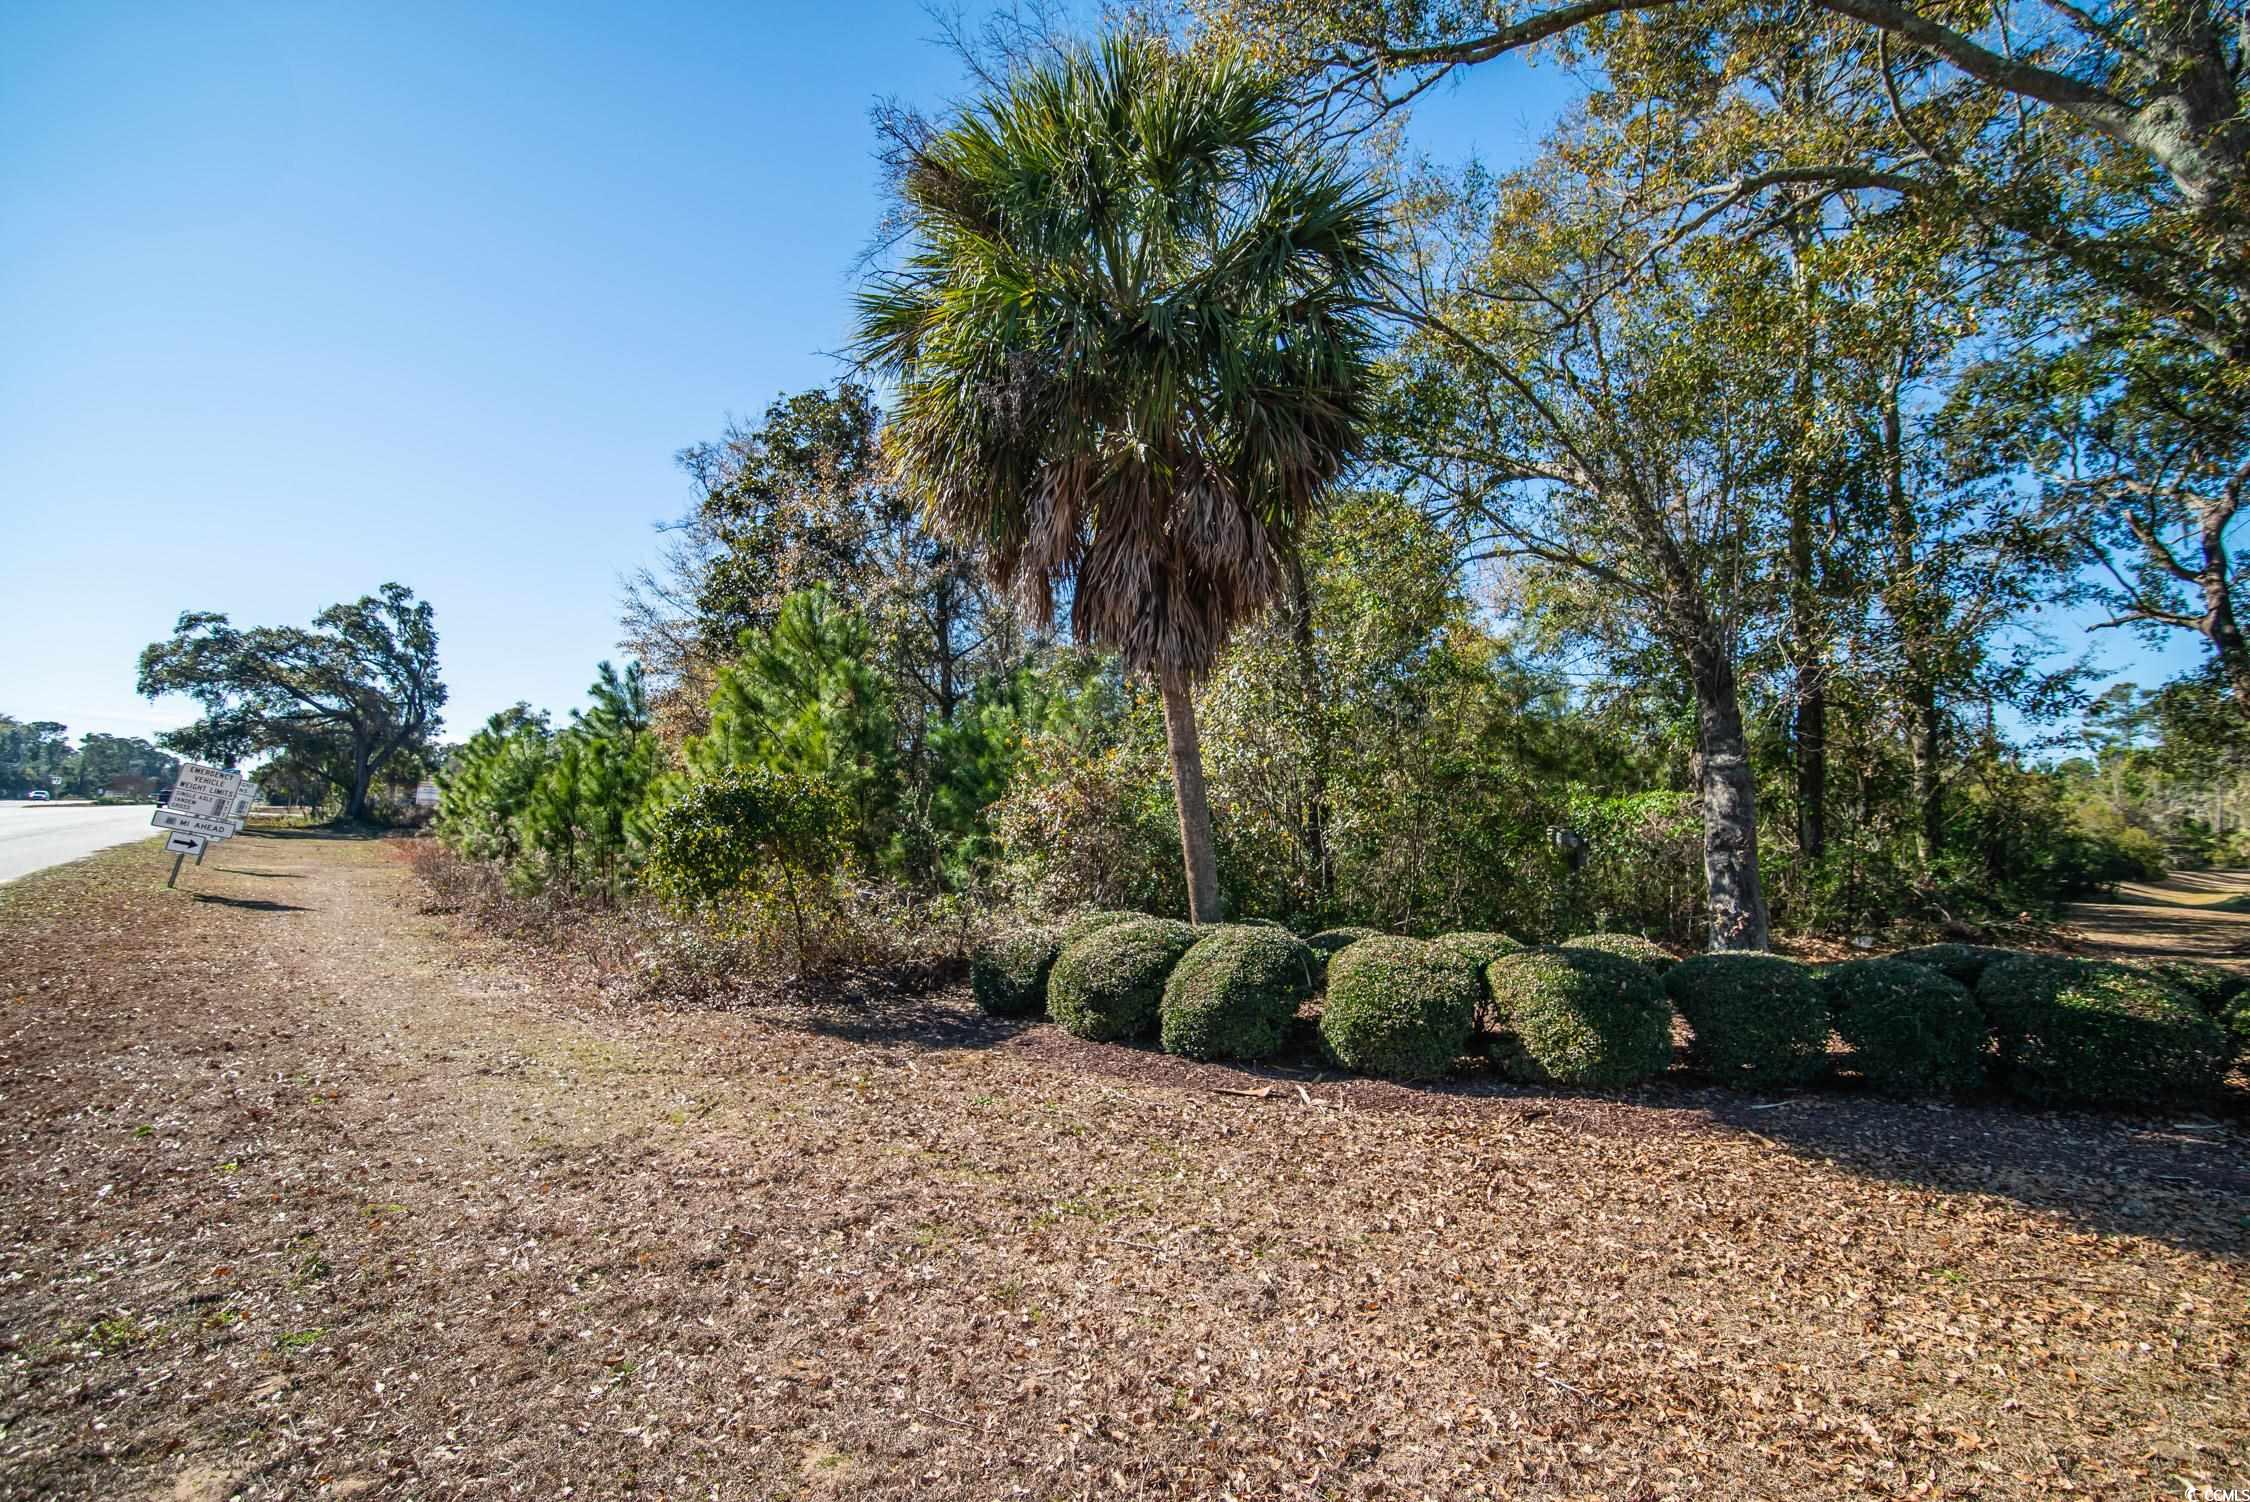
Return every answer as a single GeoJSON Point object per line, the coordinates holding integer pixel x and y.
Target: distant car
{"type": "Point", "coordinates": [163, 796]}
{"type": "Point", "coordinates": [39, 795]}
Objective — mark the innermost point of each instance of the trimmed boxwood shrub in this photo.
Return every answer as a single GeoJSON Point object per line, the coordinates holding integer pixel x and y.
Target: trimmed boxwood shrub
{"type": "Point", "coordinates": [1110, 983]}
{"type": "Point", "coordinates": [2096, 1033]}
{"type": "Point", "coordinates": [2212, 988]}
{"type": "Point", "coordinates": [1914, 1030]}
{"type": "Point", "coordinates": [1627, 947]}
{"type": "Point", "coordinates": [1400, 1008]}
{"type": "Point", "coordinates": [1758, 1019]}
{"type": "Point", "coordinates": [1479, 948]}
{"type": "Point", "coordinates": [1329, 940]}
{"type": "Point", "coordinates": [1078, 925]}
{"type": "Point", "coordinates": [1008, 975]}
{"type": "Point", "coordinates": [1235, 993]}
{"type": "Point", "coordinates": [1578, 1017]}
{"type": "Point", "coordinates": [1962, 963]}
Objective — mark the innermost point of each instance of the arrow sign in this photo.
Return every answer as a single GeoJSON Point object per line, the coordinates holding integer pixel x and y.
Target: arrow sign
{"type": "Point", "coordinates": [184, 844]}
{"type": "Point", "coordinates": [211, 829]}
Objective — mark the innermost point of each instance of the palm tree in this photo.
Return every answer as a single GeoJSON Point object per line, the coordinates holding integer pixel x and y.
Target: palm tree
{"type": "Point", "coordinates": [1130, 337]}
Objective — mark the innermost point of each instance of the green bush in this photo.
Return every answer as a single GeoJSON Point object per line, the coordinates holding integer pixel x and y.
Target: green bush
{"type": "Point", "coordinates": [1627, 947]}
{"type": "Point", "coordinates": [1914, 1030]}
{"type": "Point", "coordinates": [1479, 948]}
{"type": "Point", "coordinates": [1008, 975]}
{"type": "Point", "coordinates": [1758, 1019]}
{"type": "Point", "coordinates": [1398, 1008]}
{"type": "Point", "coordinates": [2095, 1033]}
{"type": "Point", "coordinates": [1235, 993]}
{"type": "Point", "coordinates": [1329, 941]}
{"type": "Point", "coordinates": [1964, 964]}
{"type": "Point", "coordinates": [1078, 925]}
{"type": "Point", "coordinates": [1110, 983]}
{"type": "Point", "coordinates": [1578, 1017]}
{"type": "Point", "coordinates": [2212, 988]}
{"type": "Point", "coordinates": [2237, 1024]}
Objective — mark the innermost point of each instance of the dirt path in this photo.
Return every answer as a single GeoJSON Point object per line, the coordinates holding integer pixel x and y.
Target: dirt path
{"type": "Point", "coordinates": [2197, 915]}
{"type": "Point", "coordinates": [305, 1194]}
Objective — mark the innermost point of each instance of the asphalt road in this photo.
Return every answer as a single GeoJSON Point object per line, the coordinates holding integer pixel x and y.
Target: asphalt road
{"type": "Point", "coordinates": [34, 836]}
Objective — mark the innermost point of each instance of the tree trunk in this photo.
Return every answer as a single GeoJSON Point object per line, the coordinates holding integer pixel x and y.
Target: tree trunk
{"type": "Point", "coordinates": [1186, 747]}
{"type": "Point", "coordinates": [355, 805]}
{"type": "Point", "coordinates": [1922, 756]}
{"type": "Point", "coordinates": [1315, 819]}
{"type": "Point", "coordinates": [1730, 807]}
{"type": "Point", "coordinates": [1809, 735]}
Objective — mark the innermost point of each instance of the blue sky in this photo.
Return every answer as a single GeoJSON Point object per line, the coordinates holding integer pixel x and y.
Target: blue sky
{"type": "Point", "coordinates": [300, 298]}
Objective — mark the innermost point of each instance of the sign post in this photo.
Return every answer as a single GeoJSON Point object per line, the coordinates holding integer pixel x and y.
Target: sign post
{"type": "Point", "coordinates": [207, 804]}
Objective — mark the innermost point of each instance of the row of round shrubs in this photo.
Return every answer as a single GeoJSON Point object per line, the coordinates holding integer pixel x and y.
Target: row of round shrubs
{"type": "Point", "coordinates": [1596, 1011]}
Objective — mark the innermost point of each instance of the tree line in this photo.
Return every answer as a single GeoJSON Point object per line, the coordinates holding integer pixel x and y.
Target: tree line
{"type": "Point", "coordinates": [1267, 520]}
{"type": "Point", "coordinates": [37, 756]}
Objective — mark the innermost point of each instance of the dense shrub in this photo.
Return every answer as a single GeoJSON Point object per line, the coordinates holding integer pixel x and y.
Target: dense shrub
{"type": "Point", "coordinates": [1328, 941]}
{"type": "Point", "coordinates": [1627, 947]}
{"type": "Point", "coordinates": [2211, 987]}
{"type": "Point", "coordinates": [1110, 983]}
{"type": "Point", "coordinates": [1078, 925]}
{"type": "Point", "coordinates": [1327, 944]}
{"type": "Point", "coordinates": [1235, 993]}
{"type": "Point", "coordinates": [2090, 1032]}
{"type": "Point", "coordinates": [1578, 1017]}
{"type": "Point", "coordinates": [1758, 1019]}
{"type": "Point", "coordinates": [1963, 964]}
{"type": "Point", "coordinates": [2237, 1023]}
{"type": "Point", "coordinates": [1914, 1030]}
{"type": "Point", "coordinates": [1008, 975]}
{"type": "Point", "coordinates": [1479, 948]}
{"type": "Point", "coordinates": [1399, 1008]}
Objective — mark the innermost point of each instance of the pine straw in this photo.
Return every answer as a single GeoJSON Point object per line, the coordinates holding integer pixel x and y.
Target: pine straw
{"type": "Point", "coordinates": [411, 1219]}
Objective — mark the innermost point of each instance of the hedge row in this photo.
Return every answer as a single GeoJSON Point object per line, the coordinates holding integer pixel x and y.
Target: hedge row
{"type": "Point", "coordinates": [1597, 1011]}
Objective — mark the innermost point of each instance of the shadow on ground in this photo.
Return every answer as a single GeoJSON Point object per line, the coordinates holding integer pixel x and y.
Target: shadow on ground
{"type": "Point", "coordinates": [2182, 1178]}
{"type": "Point", "coordinates": [250, 904]}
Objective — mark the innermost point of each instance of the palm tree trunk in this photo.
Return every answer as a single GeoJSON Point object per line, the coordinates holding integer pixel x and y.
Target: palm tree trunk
{"type": "Point", "coordinates": [1186, 747]}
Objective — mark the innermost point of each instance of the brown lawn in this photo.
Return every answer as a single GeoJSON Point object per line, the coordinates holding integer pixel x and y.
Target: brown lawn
{"type": "Point", "coordinates": [308, 1193]}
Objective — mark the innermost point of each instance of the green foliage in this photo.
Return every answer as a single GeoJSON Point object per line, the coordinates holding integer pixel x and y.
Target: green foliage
{"type": "Point", "coordinates": [1332, 941]}
{"type": "Point", "coordinates": [1109, 984]}
{"type": "Point", "coordinates": [1758, 1019]}
{"type": "Point", "coordinates": [2093, 1033]}
{"type": "Point", "coordinates": [2213, 988]}
{"type": "Point", "coordinates": [1008, 974]}
{"type": "Point", "coordinates": [1235, 993]}
{"type": "Point", "coordinates": [1644, 952]}
{"type": "Point", "coordinates": [802, 700]}
{"type": "Point", "coordinates": [1399, 1008]}
{"type": "Point", "coordinates": [1578, 1017]}
{"type": "Point", "coordinates": [1963, 964]}
{"type": "Point", "coordinates": [1081, 924]}
{"type": "Point", "coordinates": [726, 847]}
{"type": "Point", "coordinates": [1912, 1029]}
{"type": "Point", "coordinates": [1478, 948]}
{"type": "Point", "coordinates": [341, 698]}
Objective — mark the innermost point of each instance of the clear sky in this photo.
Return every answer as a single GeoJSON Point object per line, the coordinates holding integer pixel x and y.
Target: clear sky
{"type": "Point", "coordinates": [299, 298]}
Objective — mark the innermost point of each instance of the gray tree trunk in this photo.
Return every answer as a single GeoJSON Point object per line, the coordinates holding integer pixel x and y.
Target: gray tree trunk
{"type": "Point", "coordinates": [1197, 852]}
{"type": "Point", "coordinates": [1730, 808]}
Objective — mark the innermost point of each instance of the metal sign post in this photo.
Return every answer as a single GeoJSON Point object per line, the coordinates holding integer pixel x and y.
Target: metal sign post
{"type": "Point", "coordinates": [180, 847]}
{"type": "Point", "coordinates": [207, 805]}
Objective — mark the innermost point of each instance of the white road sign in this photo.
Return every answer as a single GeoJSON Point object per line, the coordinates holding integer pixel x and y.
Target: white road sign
{"type": "Point", "coordinates": [426, 795]}
{"type": "Point", "coordinates": [184, 844]}
{"type": "Point", "coordinates": [204, 792]}
{"type": "Point", "coordinates": [210, 829]}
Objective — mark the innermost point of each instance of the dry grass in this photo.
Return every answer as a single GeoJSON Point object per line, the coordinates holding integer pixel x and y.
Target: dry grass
{"type": "Point", "coordinates": [311, 1194]}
